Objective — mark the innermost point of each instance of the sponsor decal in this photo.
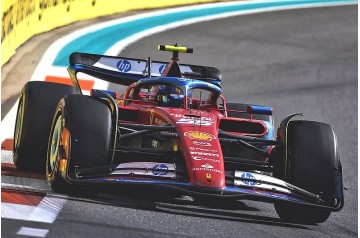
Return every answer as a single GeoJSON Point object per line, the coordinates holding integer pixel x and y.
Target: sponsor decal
{"type": "Point", "coordinates": [189, 117]}
{"type": "Point", "coordinates": [149, 79]}
{"type": "Point", "coordinates": [160, 169]}
{"type": "Point", "coordinates": [203, 149]}
{"type": "Point", "coordinates": [208, 166]}
{"type": "Point", "coordinates": [176, 115]}
{"type": "Point", "coordinates": [202, 143]}
{"type": "Point", "coordinates": [162, 68]}
{"type": "Point", "coordinates": [146, 169]}
{"type": "Point", "coordinates": [195, 121]}
{"type": "Point", "coordinates": [198, 135]}
{"type": "Point", "coordinates": [208, 169]}
{"type": "Point", "coordinates": [184, 79]}
{"type": "Point", "coordinates": [201, 121]}
{"type": "Point", "coordinates": [123, 66]}
{"type": "Point", "coordinates": [248, 177]}
{"type": "Point", "coordinates": [205, 159]}
{"type": "Point", "coordinates": [203, 153]}
{"type": "Point", "coordinates": [261, 177]}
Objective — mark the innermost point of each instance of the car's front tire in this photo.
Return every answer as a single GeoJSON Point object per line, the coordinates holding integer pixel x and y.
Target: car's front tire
{"type": "Point", "coordinates": [80, 137]}
{"type": "Point", "coordinates": [312, 164]}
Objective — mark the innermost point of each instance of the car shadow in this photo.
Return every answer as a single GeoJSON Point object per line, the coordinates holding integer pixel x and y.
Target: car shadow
{"type": "Point", "coordinates": [174, 203]}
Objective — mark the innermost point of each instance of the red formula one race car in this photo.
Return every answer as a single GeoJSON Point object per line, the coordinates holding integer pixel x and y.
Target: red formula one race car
{"type": "Point", "coordinates": [172, 128]}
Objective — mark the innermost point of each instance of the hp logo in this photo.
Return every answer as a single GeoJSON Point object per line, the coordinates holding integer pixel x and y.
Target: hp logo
{"type": "Point", "coordinates": [248, 178]}
{"type": "Point", "coordinates": [160, 169]}
{"type": "Point", "coordinates": [162, 68]}
{"type": "Point", "coordinates": [123, 66]}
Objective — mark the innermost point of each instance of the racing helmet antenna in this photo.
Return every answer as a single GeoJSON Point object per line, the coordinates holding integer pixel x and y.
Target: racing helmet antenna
{"type": "Point", "coordinates": [176, 50]}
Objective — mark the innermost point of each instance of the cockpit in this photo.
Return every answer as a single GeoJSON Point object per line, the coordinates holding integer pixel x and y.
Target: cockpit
{"type": "Point", "coordinates": [176, 93]}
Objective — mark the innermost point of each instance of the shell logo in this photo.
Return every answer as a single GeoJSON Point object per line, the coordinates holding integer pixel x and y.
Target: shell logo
{"type": "Point", "coordinates": [198, 135]}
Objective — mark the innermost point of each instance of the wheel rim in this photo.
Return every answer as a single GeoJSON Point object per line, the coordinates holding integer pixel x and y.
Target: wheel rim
{"type": "Point", "coordinates": [55, 142]}
{"type": "Point", "coordinates": [18, 126]}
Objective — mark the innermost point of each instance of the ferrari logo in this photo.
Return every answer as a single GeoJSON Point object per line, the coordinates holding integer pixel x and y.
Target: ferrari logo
{"type": "Point", "coordinates": [208, 175]}
{"type": "Point", "coordinates": [198, 135]}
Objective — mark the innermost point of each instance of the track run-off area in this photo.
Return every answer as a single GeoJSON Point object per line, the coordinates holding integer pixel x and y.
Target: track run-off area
{"type": "Point", "coordinates": [296, 56]}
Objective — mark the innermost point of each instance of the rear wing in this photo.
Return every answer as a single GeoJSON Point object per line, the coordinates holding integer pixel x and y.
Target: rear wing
{"type": "Point", "coordinates": [125, 71]}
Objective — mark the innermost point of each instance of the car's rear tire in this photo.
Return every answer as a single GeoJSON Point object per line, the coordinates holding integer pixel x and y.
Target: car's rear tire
{"type": "Point", "coordinates": [81, 135]}
{"type": "Point", "coordinates": [36, 108]}
{"type": "Point", "coordinates": [313, 162]}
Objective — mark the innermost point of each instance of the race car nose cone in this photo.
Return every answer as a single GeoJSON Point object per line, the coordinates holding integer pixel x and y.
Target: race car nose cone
{"type": "Point", "coordinates": [203, 155]}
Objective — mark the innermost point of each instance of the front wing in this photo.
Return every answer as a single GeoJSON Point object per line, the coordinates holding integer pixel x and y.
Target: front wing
{"type": "Point", "coordinates": [246, 185]}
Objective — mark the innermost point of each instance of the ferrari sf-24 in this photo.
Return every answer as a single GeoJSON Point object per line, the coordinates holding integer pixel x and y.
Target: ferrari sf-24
{"type": "Point", "coordinates": [173, 129]}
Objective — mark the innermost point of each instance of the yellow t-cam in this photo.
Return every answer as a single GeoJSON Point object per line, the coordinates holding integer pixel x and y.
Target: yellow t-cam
{"type": "Point", "coordinates": [172, 48]}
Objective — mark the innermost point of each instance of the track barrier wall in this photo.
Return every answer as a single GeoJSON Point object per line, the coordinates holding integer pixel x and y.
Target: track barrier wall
{"type": "Point", "coordinates": [23, 19]}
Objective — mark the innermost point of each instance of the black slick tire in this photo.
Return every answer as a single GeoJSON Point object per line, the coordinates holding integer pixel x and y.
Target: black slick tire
{"type": "Point", "coordinates": [89, 125]}
{"type": "Point", "coordinates": [313, 161]}
{"type": "Point", "coordinates": [35, 111]}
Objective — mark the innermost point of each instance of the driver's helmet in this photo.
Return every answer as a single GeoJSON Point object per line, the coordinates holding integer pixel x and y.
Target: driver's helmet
{"type": "Point", "coordinates": [169, 96]}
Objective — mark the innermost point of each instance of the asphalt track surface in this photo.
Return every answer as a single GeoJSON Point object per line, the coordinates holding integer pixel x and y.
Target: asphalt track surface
{"type": "Point", "coordinates": [296, 61]}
